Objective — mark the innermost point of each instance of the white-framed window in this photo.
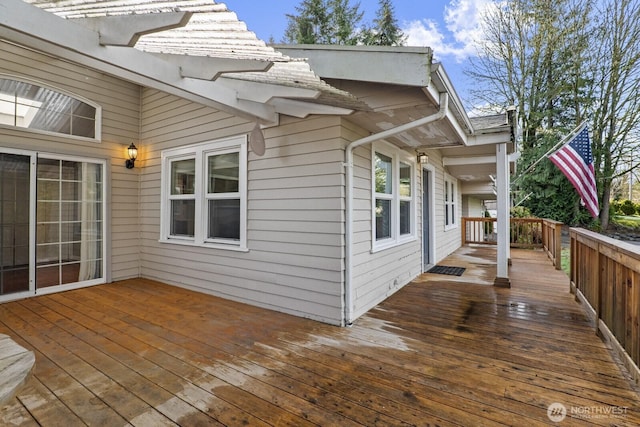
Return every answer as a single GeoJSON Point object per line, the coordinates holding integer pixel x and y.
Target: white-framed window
{"type": "Point", "coordinates": [37, 108]}
{"type": "Point", "coordinates": [204, 194]}
{"type": "Point", "coordinates": [393, 196]}
{"type": "Point", "coordinates": [450, 197]}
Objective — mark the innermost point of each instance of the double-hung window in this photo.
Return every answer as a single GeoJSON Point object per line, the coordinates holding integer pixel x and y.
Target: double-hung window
{"type": "Point", "coordinates": [204, 194]}
{"type": "Point", "coordinates": [393, 180]}
{"type": "Point", "coordinates": [450, 197]}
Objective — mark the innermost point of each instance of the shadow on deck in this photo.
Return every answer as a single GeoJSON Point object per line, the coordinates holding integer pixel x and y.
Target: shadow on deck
{"type": "Point", "coordinates": [444, 350]}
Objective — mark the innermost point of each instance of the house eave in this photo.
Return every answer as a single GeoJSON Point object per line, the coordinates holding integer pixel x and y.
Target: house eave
{"type": "Point", "coordinates": [407, 66]}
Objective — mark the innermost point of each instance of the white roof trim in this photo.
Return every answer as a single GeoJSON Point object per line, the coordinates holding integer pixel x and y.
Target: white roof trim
{"type": "Point", "coordinates": [208, 68]}
{"type": "Point", "coordinates": [214, 31]}
{"type": "Point", "coordinates": [264, 92]}
{"type": "Point", "coordinates": [182, 75]}
{"type": "Point", "coordinates": [470, 160]}
{"type": "Point", "coordinates": [31, 27]}
{"type": "Point", "coordinates": [303, 109]}
{"type": "Point", "coordinates": [126, 30]}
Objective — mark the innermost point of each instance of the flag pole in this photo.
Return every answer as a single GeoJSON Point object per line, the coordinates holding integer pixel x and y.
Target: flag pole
{"type": "Point", "coordinates": [571, 134]}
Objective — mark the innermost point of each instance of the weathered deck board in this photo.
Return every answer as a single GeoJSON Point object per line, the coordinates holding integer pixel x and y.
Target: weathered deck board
{"type": "Point", "coordinates": [442, 351]}
{"type": "Point", "coordinates": [16, 364]}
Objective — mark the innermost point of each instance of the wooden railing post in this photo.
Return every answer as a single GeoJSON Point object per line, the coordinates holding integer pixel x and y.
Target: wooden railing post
{"type": "Point", "coordinates": [558, 246]}
{"type": "Point", "coordinates": [464, 231]}
{"type": "Point", "coordinates": [598, 291]}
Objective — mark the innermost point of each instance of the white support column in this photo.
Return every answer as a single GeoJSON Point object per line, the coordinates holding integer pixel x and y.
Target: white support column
{"type": "Point", "coordinates": [503, 229]}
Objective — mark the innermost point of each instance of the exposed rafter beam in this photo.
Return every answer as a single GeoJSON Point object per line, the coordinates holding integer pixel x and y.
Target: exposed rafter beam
{"type": "Point", "coordinates": [471, 160]}
{"type": "Point", "coordinates": [303, 109]}
{"type": "Point", "coordinates": [480, 138]}
{"type": "Point", "coordinates": [208, 68]}
{"type": "Point", "coordinates": [125, 30]}
{"type": "Point", "coordinates": [263, 92]}
{"type": "Point", "coordinates": [476, 160]}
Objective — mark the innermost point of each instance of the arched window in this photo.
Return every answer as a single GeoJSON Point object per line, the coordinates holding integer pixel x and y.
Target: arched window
{"type": "Point", "coordinates": [28, 105]}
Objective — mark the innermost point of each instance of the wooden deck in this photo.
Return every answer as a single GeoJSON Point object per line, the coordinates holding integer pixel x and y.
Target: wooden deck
{"type": "Point", "coordinates": [442, 351]}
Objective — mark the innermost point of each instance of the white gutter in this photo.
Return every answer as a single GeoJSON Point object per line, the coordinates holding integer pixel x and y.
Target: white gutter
{"type": "Point", "coordinates": [348, 294]}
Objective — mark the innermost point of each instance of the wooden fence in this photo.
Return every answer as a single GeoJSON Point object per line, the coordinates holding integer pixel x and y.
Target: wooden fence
{"type": "Point", "coordinates": [525, 233]}
{"type": "Point", "coordinates": [605, 275]}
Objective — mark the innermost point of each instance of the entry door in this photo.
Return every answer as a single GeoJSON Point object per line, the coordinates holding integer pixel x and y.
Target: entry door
{"type": "Point", "coordinates": [51, 223]}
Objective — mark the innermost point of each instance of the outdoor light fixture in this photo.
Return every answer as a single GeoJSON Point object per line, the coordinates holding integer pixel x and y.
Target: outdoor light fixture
{"type": "Point", "coordinates": [132, 152]}
{"type": "Point", "coordinates": [422, 158]}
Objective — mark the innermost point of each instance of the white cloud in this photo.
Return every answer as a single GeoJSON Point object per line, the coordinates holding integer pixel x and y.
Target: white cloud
{"type": "Point", "coordinates": [424, 33]}
{"type": "Point", "coordinates": [459, 38]}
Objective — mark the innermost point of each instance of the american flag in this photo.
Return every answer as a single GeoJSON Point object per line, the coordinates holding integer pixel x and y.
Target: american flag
{"type": "Point", "coordinates": [575, 161]}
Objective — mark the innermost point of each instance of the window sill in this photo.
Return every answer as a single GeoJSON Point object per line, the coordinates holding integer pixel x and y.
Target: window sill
{"type": "Point", "coordinates": [392, 244]}
{"type": "Point", "coordinates": [450, 227]}
{"type": "Point", "coordinates": [221, 246]}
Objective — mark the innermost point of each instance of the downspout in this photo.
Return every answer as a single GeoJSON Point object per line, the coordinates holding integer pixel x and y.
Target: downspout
{"type": "Point", "coordinates": [348, 294]}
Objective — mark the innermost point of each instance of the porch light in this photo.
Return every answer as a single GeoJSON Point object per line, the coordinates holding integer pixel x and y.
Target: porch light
{"type": "Point", "coordinates": [132, 152]}
{"type": "Point", "coordinates": [423, 158]}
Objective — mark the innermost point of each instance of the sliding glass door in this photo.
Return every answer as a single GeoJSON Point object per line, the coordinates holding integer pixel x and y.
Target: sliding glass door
{"type": "Point", "coordinates": [51, 223]}
{"type": "Point", "coordinates": [15, 171]}
{"type": "Point", "coordinates": [69, 222]}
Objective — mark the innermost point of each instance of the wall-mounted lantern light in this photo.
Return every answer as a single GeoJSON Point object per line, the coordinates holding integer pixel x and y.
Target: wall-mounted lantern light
{"type": "Point", "coordinates": [132, 152]}
{"type": "Point", "coordinates": [422, 158]}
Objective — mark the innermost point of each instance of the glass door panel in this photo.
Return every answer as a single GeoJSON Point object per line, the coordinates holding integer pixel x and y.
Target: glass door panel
{"type": "Point", "coordinates": [69, 222]}
{"type": "Point", "coordinates": [14, 223]}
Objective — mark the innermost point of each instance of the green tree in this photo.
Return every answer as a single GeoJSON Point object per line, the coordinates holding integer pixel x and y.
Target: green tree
{"type": "Point", "coordinates": [531, 58]}
{"type": "Point", "coordinates": [385, 30]}
{"type": "Point", "coordinates": [563, 63]}
{"type": "Point", "coordinates": [324, 22]}
{"type": "Point", "coordinates": [615, 118]}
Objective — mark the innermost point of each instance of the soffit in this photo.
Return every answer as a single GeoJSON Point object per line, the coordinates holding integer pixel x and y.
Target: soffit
{"type": "Point", "coordinates": [393, 106]}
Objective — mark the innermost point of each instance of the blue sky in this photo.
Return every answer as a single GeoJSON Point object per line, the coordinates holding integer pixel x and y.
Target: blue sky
{"type": "Point", "coordinates": [449, 27]}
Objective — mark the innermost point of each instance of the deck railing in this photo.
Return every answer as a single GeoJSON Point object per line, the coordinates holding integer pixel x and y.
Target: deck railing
{"type": "Point", "coordinates": [525, 233]}
{"type": "Point", "coordinates": [552, 241]}
{"type": "Point", "coordinates": [605, 274]}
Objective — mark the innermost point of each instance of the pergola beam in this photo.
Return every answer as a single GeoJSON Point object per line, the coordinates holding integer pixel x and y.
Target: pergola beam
{"type": "Point", "coordinates": [125, 30]}
{"type": "Point", "coordinates": [29, 26]}
{"type": "Point", "coordinates": [265, 92]}
{"type": "Point", "coordinates": [301, 109]}
{"type": "Point", "coordinates": [210, 68]}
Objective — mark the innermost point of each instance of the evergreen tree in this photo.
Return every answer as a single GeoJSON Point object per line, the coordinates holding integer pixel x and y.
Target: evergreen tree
{"type": "Point", "coordinates": [385, 31]}
{"type": "Point", "coordinates": [324, 22]}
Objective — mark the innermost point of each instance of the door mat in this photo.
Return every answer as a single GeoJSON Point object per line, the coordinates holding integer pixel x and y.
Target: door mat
{"type": "Point", "coordinates": [444, 269]}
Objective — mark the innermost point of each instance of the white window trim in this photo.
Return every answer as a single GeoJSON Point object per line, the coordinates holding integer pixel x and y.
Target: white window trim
{"type": "Point", "coordinates": [397, 155]}
{"type": "Point", "coordinates": [453, 202]}
{"type": "Point", "coordinates": [199, 152]}
{"type": "Point", "coordinates": [106, 230]}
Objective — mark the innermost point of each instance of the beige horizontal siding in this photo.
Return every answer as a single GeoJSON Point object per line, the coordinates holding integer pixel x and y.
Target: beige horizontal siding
{"type": "Point", "coordinates": [295, 212]}
{"type": "Point", "coordinates": [448, 240]}
{"type": "Point", "coordinates": [120, 102]}
{"type": "Point", "coordinates": [376, 275]}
